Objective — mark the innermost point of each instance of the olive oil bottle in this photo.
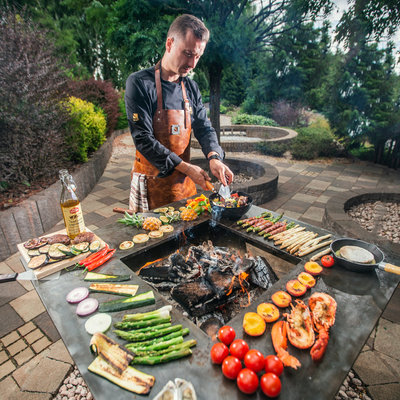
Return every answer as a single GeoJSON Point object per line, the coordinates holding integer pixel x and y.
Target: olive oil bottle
{"type": "Point", "coordinates": [70, 206]}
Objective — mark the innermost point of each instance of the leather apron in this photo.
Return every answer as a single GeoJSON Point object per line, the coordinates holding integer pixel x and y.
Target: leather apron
{"type": "Point", "coordinates": [172, 128]}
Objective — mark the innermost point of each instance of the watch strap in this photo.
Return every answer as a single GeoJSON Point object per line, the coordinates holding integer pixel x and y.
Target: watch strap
{"type": "Point", "coordinates": [214, 157]}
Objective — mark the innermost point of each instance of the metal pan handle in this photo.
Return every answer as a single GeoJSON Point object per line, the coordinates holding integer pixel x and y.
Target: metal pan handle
{"type": "Point", "coordinates": [390, 268]}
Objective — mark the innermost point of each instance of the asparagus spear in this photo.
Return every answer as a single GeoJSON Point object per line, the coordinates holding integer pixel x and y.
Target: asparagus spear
{"type": "Point", "coordinates": [146, 329]}
{"type": "Point", "coordinates": [156, 346]}
{"type": "Point", "coordinates": [128, 325]}
{"type": "Point", "coordinates": [134, 336]}
{"type": "Point", "coordinates": [180, 346]}
{"type": "Point", "coordinates": [162, 312]}
{"type": "Point", "coordinates": [141, 345]}
{"type": "Point", "coordinates": [152, 360]}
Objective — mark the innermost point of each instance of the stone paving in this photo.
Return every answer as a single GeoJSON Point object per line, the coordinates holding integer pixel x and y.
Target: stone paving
{"type": "Point", "coordinates": [33, 359]}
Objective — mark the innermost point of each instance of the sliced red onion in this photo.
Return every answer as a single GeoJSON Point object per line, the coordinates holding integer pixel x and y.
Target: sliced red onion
{"type": "Point", "coordinates": [78, 294]}
{"type": "Point", "coordinates": [87, 307]}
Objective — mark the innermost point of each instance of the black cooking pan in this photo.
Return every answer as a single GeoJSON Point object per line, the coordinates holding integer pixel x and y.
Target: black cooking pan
{"type": "Point", "coordinates": [359, 267]}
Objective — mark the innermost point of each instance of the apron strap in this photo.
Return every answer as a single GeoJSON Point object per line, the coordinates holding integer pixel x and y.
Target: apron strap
{"type": "Point", "coordinates": [158, 85]}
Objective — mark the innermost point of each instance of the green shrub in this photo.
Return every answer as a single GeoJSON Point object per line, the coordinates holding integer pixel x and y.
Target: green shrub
{"type": "Point", "coordinates": [223, 109]}
{"type": "Point", "coordinates": [122, 122]}
{"type": "Point", "coordinates": [86, 129]}
{"type": "Point", "coordinates": [247, 119]}
{"type": "Point", "coordinates": [316, 140]}
{"type": "Point", "coordinates": [275, 149]}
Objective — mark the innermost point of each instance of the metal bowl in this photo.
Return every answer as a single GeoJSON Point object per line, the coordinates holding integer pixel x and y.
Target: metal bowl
{"type": "Point", "coordinates": [235, 213]}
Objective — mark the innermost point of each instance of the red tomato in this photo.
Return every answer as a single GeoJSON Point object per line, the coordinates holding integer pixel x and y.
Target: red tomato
{"type": "Point", "coordinates": [327, 261]}
{"type": "Point", "coordinates": [219, 352]}
{"type": "Point", "coordinates": [239, 348]}
{"type": "Point", "coordinates": [226, 334]}
{"type": "Point", "coordinates": [273, 364]}
{"type": "Point", "coordinates": [231, 367]}
{"type": "Point", "coordinates": [254, 360]}
{"type": "Point", "coordinates": [270, 384]}
{"type": "Point", "coordinates": [247, 381]}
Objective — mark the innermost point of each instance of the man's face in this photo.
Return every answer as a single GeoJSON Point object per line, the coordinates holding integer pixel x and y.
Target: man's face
{"type": "Point", "coordinates": [184, 53]}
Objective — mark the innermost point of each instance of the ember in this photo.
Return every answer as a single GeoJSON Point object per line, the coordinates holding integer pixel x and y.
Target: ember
{"type": "Point", "coordinates": [206, 277]}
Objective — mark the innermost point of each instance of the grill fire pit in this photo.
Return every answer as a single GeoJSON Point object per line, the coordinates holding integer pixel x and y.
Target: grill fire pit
{"type": "Point", "coordinates": [207, 272]}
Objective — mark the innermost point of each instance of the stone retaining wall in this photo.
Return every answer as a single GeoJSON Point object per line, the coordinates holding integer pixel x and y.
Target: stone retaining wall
{"type": "Point", "coordinates": [264, 133]}
{"type": "Point", "coordinates": [339, 221]}
{"type": "Point", "coordinates": [262, 188]}
{"type": "Point", "coordinates": [40, 212]}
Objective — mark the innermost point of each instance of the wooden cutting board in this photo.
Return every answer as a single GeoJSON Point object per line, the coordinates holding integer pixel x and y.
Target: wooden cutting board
{"type": "Point", "coordinates": [56, 266]}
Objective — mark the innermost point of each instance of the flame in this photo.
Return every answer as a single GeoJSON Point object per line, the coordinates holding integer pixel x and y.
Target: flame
{"type": "Point", "coordinates": [231, 286]}
{"type": "Point", "coordinates": [147, 264]}
{"type": "Point", "coordinates": [242, 277]}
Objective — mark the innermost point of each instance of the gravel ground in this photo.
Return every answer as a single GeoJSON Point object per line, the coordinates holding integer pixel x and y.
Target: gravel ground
{"type": "Point", "coordinates": [383, 218]}
{"type": "Point", "coordinates": [74, 387]}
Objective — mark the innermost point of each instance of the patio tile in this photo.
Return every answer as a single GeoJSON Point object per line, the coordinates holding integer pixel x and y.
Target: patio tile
{"type": "Point", "coordinates": [28, 306]}
{"type": "Point", "coordinates": [329, 173]}
{"type": "Point", "coordinates": [296, 206]}
{"type": "Point", "coordinates": [385, 392]}
{"type": "Point", "coordinates": [3, 356]}
{"type": "Point", "coordinates": [33, 336]}
{"type": "Point", "coordinates": [288, 173]}
{"type": "Point", "coordinates": [10, 338]}
{"type": "Point", "coordinates": [14, 263]}
{"type": "Point", "coordinates": [29, 327]}
{"type": "Point", "coordinates": [10, 291]}
{"type": "Point", "coordinates": [5, 269]}
{"type": "Point", "coordinates": [311, 221]}
{"type": "Point", "coordinates": [8, 388]}
{"type": "Point", "coordinates": [314, 213]}
{"type": "Point", "coordinates": [372, 369]}
{"type": "Point", "coordinates": [289, 214]}
{"type": "Point", "coordinates": [24, 356]}
{"type": "Point", "coordinates": [92, 218]}
{"type": "Point", "coordinates": [6, 369]}
{"type": "Point", "coordinates": [41, 344]}
{"type": "Point", "coordinates": [27, 285]}
{"type": "Point", "coordinates": [16, 347]}
{"type": "Point", "coordinates": [43, 374]}
{"type": "Point", "coordinates": [306, 198]}
{"type": "Point", "coordinates": [323, 199]}
{"type": "Point", "coordinates": [384, 342]}
{"type": "Point", "coordinates": [91, 206]}
{"type": "Point", "coordinates": [45, 324]}
{"type": "Point", "coordinates": [14, 321]}
{"type": "Point", "coordinates": [317, 184]}
{"type": "Point", "coordinates": [107, 200]}
{"type": "Point", "coordinates": [283, 178]}
{"type": "Point", "coordinates": [58, 351]}
{"type": "Point", "coordinates": [392, 310]}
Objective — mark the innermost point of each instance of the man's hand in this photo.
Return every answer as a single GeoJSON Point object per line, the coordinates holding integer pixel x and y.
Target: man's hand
{"type": "Point", "coordinates": [221, 172]}
{"type": "Point", "coordinates": [195, 173]}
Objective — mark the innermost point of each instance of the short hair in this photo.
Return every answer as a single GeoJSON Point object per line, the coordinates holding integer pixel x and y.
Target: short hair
{"type": "Point", "coordinates": [186, 22]}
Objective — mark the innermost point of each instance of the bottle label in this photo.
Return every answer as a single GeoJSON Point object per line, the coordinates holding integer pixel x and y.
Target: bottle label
{"type": "Point", "coordinates": [73, 218]}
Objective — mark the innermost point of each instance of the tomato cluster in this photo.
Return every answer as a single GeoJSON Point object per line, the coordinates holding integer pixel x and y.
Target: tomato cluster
{"type": "Point", "coordinates": [254, 362]}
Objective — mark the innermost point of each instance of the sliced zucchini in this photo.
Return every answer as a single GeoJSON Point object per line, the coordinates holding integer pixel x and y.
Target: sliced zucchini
{"type": "Point", "coordinates": [75, 252]}
{"type": "Point", "coordinates": [33, 253]}
{"type": "Point", "coordinates": [140, 300]}
{"type": "Point", "coordinates": [95, 277]}
{"type": "Point", "coordinates": [65, 249]}
{"type": "Point", "coordinates": [161, 210]}
{"type": "Point", "coordinates": [164, 219]}
{"type": "Point", "coordinates": [95, 246]}
{"type": "Point", "coordinates": [55, 253]}
{"type": "Point", "coordinates": [114, 288]}
{"type": "Point", "coordinates": [38, 261]}
{"type": "Point", "coordinates": [131, 379]}
{"type": "Point", "coordinates": [44, 249]}
{"type": "Point", "coordinates": [81, 247]}
{"type": "Point", "coordinates": [171, 209]}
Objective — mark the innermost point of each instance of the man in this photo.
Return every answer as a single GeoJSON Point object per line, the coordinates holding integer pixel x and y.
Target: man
{"type": "Point", "coordinates": [162, 106]}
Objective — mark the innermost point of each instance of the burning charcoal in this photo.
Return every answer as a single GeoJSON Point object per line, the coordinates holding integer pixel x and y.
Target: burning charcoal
{"type": "Point", "coordinates": [177, 260]}
{"type": "Point", "coordinates": [243, 265]}
{"type": "Point", "coordinates": [188, 294]}
{"type": "Point", "coordinates": [163, 286]}
{"type": "Point", "coordinates": [155, 274]}
{"type": "Point", "coordinates": [222, 282]}
{"type": "Point", "coordinates": [262, 275]}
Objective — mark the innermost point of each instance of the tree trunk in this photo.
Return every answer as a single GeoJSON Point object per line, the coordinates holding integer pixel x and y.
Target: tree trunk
{"type": "Point", "coordinates": [215, 75]}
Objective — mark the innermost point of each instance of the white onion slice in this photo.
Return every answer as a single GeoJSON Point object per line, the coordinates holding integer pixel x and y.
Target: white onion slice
{"type": "Point", "coordinates": [98, 323]}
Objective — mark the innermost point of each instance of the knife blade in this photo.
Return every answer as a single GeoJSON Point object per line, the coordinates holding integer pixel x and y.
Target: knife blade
{"type": "Point", "coordinates": [23, 276]}
{"type": "Point", "coordinates": [224, 192]}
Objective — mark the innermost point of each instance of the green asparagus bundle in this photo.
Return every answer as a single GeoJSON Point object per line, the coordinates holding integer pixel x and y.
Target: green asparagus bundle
{"type": "Point", "coordinates": [145, 344]}
{"type": "Point", "coordinates": [174, 347]}
{"type": "Point", "coordinates": [164, 358]}
{"type": "Point", "coordinates": [135, 336]}
{"type": "Point", "coordinates": [129, 325]}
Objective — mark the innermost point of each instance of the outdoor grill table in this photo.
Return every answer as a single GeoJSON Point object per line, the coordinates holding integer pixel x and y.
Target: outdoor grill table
{"type": "Point", "coordinates": [361, 299]}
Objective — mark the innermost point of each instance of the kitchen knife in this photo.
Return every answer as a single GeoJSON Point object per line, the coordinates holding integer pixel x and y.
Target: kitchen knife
{"type": "Point", "coordinates": [23, 276]}
{"type": "Point", "coordinates": [224, 192]}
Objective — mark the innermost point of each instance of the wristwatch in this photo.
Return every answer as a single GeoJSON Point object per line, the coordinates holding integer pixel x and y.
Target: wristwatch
{"type": "Point", "coordinates": [214, 157]}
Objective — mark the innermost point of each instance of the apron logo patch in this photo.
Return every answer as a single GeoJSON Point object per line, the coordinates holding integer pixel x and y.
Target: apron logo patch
{"type": "Point", "coordinates": [135, 117]}
{"type": "Point", "coordinates": [175, 129]}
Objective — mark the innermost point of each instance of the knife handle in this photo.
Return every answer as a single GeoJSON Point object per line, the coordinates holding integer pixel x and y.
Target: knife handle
{"type": "Point", "coordinates": [8, 277]}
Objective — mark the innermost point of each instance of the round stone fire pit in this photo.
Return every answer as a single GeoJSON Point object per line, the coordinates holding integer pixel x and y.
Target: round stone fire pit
{"type": "Point", "coordinates": [337, 218]}
{"type": "Point", "coordinates": [264, 185]}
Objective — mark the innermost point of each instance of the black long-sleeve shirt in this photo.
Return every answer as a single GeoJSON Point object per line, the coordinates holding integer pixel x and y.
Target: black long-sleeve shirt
{"type": "Point", "coordinates": [141, 105]}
